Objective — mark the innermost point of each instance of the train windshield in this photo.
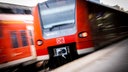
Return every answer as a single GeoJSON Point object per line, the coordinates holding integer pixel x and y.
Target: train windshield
{"type": "Point", "coordinates": [57, 15]}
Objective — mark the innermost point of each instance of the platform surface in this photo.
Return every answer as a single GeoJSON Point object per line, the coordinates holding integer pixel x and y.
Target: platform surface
{"type": "Point", "coordinates": [113, 58]}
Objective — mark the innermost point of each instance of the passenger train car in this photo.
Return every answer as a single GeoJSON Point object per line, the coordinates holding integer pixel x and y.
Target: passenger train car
{"type": "Point", "coordinates": [108, 24]}
{"type": "Point", "coordinates": [16, 35]}
{"type": "Point", "coordinates": [65, 29]}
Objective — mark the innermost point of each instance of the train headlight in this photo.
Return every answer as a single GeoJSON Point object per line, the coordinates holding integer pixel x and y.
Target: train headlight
{"type": "Point", "coordinates": [83, 34]}
{"type": "Point", "coordinates": [39, 42]}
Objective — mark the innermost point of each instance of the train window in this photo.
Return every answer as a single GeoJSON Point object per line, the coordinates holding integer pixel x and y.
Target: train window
{"type": "Point", "coordinates": [14, 39]}
{"type": "Point", "coordinates": [14, 11]}
{"type": "Point", "coordinates": [24, 38]}
{"type": "Point", "coordinates": [32, 43]}
{"type": "Point", "coordinates": [6, 10]}
{"type": "Point", "coordinates": [21, 11]}
{"type": "Point", "coordinates": [30, 32]}
{"type": "Point", "coordinates": [31, 37]}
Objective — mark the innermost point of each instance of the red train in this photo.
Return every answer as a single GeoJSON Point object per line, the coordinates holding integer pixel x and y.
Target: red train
{"type": "Point", "coordinates": [62, 30]}
{"type": "Point", "coordinates": [65, 29]}
{"type": "Point", "coordinates": [16, 37]}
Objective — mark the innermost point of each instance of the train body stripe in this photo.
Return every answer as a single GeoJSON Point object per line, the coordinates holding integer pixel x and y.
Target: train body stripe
{"type": "Point", "coordinates": [11, 22]}
{"type": "Point", "coordinates": [43, 57]}
{"type": "Point", "coordinates": [85, 50]}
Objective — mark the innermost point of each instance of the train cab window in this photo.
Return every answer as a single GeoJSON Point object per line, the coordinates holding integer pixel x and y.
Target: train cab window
{"type": "Point", "coordinates": [57, 17]}
{"type": "Point", "coordinates": [14, 39]}
{"type": "Point", "coordinates": [24, 38]}
{"type": "Point", "coordinates": [57, 14]}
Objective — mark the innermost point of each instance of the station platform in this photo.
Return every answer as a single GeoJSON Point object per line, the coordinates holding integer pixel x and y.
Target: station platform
{"type": "Point", "coordinates": [113, 58]}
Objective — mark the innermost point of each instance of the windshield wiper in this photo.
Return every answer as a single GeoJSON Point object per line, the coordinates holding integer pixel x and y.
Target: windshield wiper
{"type": "Point", "coordinates": [58, 26]}
{"type": "Point", "coordinates": [46, 5]}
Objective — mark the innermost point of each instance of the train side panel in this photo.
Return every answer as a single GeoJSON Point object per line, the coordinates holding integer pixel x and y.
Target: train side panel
{"type": "Point", "coordinates": [83, 26]}
{"type": "Point", "coordinates": [41, 52]}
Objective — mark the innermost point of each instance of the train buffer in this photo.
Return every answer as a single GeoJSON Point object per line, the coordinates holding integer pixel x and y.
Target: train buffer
{"type": "Point", "coordinates": [113, 58]}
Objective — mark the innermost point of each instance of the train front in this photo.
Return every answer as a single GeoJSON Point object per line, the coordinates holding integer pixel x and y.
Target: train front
{"type": "Point", "coordinates": [61, 30]}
